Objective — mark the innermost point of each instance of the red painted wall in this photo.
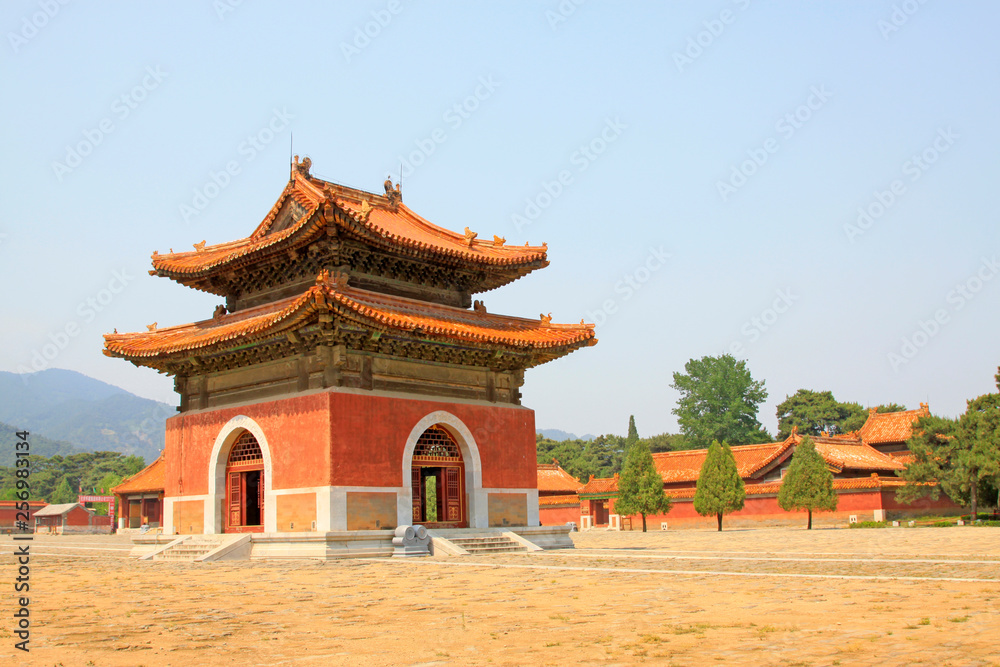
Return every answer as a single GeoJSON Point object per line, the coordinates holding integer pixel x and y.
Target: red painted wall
{"type": "Point", "coordinates": [925, 505]}
{"type": "Point", "coordinates": [559, 516]}
{"type": "Point", "coordinates": [78, 517]}
{"type": "Point", "coordinates": [345, 439]}
{"type": "Point", "coordinates": [8, 513]}
{"type": "Point", "coordinates": [863, 503]}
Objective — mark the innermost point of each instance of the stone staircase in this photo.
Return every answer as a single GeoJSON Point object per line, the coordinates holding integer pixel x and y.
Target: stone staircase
{"type": "Point", "coordinates": [487, 544]}
{"type": "Point", "coordinates": [190, 549]}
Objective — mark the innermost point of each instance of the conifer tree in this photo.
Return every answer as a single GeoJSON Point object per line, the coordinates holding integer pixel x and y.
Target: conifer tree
{"type": "Point", "coordinates": [720, 488]}
{"type": "Point", "coordinates": [958, 456]}
{"type": "Point", "coordinates": [63, 493]}
{"type": "Point", "coordinates": [808, 484]}
{"type": "Point", "coordinates": [640, 487]}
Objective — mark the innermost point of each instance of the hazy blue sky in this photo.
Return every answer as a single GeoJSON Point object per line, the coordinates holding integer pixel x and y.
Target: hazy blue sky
{"type": "Point", "coordinates": [811, 184]}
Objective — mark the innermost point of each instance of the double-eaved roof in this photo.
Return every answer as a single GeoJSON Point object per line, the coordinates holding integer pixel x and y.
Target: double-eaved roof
{"type": "Point", "coordinates": [329, 263]}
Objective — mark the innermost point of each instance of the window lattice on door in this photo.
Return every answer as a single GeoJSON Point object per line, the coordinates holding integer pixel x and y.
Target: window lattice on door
{"type": "Point", "coordinates": [246, 451]}
{"type": "Point", "coordinates": [436, 444]}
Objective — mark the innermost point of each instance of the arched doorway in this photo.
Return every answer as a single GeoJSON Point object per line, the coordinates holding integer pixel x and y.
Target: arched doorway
{"type": "Point", "coordinates": [438, 481]}
{"type": "Point", "coordinates": [245, 486]}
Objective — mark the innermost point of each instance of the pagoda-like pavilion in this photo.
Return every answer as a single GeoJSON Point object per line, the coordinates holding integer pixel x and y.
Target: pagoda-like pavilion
{"type": "Point", "coordinates": [349, 381]}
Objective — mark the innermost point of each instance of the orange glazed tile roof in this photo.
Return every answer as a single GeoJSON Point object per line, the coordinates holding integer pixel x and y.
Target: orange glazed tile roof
{"type": "Point", "coordinates": [891, 426]}
{"type": "Point", "coordinates": [685, 465]}
{"type": "Point", "coordinates": [855, 455]}
{"type": "Point", "coordinates": [545, 501]}
{"type": "Point", "coordinates": [551, 477]}
{"type": "Point", "coordinates": [149, 478]}
{"type": "Point", "coordinates": [600, 486]}
{"type": "Point", "coordinates": [380, 312]}
{"type": "Point", "coordinates": [374, 218]}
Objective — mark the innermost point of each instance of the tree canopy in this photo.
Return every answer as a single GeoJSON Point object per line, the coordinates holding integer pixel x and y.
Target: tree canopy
{"type": "Point", "coordinates": [601, 457]}
{"type": "Point", "coordinates": [58, 478]}
{"type": "Point", "coordinates": [640, 487]}
{"type": "Point", "coordinates": [719, 489]}
{"type": "Point", "coordinates": [814, 412]}
{"type": "Point", "coordinates": [719, 401]}
{"type": "Point", "coordinates": [808, 483]}
{"type": "Point", "coordinates": [961, 457]}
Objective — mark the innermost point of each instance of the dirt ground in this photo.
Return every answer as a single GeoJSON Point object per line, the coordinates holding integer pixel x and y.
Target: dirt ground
{"type": "Point", "coordinates": [778, 596]}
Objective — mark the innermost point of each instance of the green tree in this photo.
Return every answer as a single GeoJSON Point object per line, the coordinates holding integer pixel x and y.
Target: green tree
{"type": "Point", "coordinates": [960, 457]}
{"type": "Point", "coordinates": [720, 488]}
{"type": "Point", "coordinates": [640, 487]}
{"type": "Point", "coordinates": [63, 493]}
{"type": "Point", "coordinates": [719, 401]}
{"type": "Point", "coordinates": [814, 412]}
{"type": "Point", "coordinates": [808, 483]}
{"type": "Point", "coordinates": [104, 486]}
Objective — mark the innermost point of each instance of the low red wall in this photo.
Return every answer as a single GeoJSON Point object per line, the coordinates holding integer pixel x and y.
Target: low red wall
{"type": "Point", "coordinates": [943, 506]}
{"type": "Point", "coordinates": [559, 516]}
{"type": "Point", "coordinates": [759, 509]}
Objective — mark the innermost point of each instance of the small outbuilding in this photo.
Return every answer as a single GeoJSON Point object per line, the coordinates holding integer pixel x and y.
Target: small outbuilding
{"type": "Point", "coordinates": [67, 518]}
{"type": "Point", "coordinates": [140, 499]}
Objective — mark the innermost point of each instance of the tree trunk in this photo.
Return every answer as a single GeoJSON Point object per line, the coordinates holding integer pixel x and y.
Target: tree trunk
{"type": "Point", "coordinates": [974, 499]}
{"type": "Point", "coordinates": [810, 525]}
{"type": "Point", "coordinates": [644, 523]}
{"type": "Point", "coordinates": [719, 517]}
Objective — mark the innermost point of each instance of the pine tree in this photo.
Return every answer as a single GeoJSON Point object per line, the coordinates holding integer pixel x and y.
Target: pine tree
{"type": "Point", "coordinates": [720, 488]}
{"type": "Point", "coordinates": [63, 493]}
{"type": "Point", "coordinates": [808, 484]}
{"type": "Point", "coordinates": [958, 456]}
{"type": "Point", "coordinates": [640, 487]}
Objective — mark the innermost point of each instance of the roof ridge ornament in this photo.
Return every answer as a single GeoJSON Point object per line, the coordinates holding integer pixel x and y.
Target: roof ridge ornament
{"type": "Point", "coordinates": [479, 306]}
{"type": "Point", "coordinates": [200, 247]}
{"type": "Point", "coordinates": [393, 194]}
{"type": "Point", "coordinates": [151, 327]}
{"type": "Point", "coordinates": [498, 241]}
{"type": "Point", "coordinates": [470, 236]}
{"type": "Point", "coordinates": [546, 319]}
{"type": "Point", "coordinates": [366, 210]}
{"type": "Point", "coordinates": [301, 167]}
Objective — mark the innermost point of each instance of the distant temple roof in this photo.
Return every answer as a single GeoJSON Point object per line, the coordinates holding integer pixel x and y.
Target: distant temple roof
{"type": "Point", "coordinates": [331, 296]}
{"type": "Point", "coordinates": [882, 427]}
{"type": "Point", "coordinates": [149, 478]}
{"type": "Point", "coordinates": [553, 479]}
{"type": "Point", "coordinates": [308, 206]}
{"type": "Point", "coordinates": [753, 461]}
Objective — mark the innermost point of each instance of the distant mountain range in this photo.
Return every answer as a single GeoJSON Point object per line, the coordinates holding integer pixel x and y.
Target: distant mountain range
{"type": "Point", "coordinates": [559, 436]}
{"type": "Point", "coordinates": [40, 445]}
{"type": "Point", "coordinates": [66, 412]}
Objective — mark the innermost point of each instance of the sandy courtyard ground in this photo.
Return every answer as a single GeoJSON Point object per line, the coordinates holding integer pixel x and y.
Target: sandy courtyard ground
{"type": "Point", "coordinates": [744, 597]}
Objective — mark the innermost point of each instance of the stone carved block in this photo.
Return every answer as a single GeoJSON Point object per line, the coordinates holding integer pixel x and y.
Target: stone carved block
{"type": "Point", "coordinates": [409, 541]}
